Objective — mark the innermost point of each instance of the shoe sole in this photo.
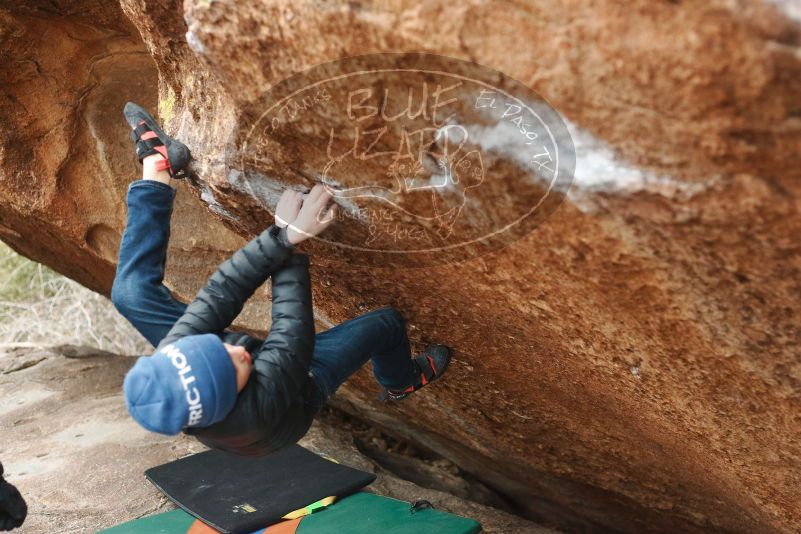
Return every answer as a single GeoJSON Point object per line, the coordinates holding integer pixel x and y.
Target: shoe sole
{"type": "Point", "coordinates": [177, 152]}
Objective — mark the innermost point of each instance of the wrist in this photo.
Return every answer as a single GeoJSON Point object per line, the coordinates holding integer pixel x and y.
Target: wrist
{"type": "Point", "coordinates": [280, 222]}
{"type": "Point", "coordinates": [293, 236]}
{"type": "Point", "coordinates": [284, 237]}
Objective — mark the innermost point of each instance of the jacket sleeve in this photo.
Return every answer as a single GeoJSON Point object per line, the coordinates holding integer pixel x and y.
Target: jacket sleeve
{"type": "Point", "coordinates": [224, 295]}
{"type": "Point", "coordinates": [282, 364]}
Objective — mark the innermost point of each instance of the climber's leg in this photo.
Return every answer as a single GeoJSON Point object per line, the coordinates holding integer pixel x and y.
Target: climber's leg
{"type": "Point", "coordinates": [379, 335]}
{"type": "Point", "coordinates": [138, 291]}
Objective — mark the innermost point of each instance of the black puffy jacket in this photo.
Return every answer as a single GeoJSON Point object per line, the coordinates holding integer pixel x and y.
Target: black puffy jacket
{"type": "Point", "coordinates": [273, 410]}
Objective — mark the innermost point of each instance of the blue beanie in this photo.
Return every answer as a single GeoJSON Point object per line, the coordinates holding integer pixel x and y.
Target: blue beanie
{"type": "Point", "coordinates": [188, 383]}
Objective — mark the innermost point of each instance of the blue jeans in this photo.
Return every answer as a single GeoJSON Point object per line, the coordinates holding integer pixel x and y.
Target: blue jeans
{"type": "Point", "coordinates": [142, 298]}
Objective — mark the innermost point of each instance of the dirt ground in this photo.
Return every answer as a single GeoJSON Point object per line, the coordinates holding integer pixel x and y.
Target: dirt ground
{"type": "Point", "coordinates": [78, 458]}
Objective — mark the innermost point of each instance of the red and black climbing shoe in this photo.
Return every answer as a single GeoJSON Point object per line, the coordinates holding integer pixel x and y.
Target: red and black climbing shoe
{"type": "Point", "coordinates": [430, 365]}
{"type": "Point", "coordinates": [150, 139]}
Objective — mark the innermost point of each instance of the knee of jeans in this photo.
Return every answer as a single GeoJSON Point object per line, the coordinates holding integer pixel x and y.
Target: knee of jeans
{"type": "Point", "coordinates": [127, 296]}
{"type": "Point", "coordinates": [394, 319]}
{"type": "Point", "coordinates": [121, 295]}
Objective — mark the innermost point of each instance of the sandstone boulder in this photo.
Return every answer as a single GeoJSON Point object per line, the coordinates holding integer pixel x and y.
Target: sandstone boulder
{"type": "Point", "coordinates": [630, 364]}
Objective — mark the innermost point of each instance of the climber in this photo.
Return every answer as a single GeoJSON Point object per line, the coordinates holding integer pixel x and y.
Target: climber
{"type": "Point", "coordinates": [232, 391]}
{"type": "Point", "coordinates": [12, 506]}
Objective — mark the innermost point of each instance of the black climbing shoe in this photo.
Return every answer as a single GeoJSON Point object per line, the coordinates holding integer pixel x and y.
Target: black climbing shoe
{"type": "Point", "coordinates": [429, 364]}
{"type": "Point", "coordinates": [151, 139]}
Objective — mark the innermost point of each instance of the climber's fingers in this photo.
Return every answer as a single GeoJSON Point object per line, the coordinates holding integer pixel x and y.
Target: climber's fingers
{"type": "Point", "coordinates": [328, 214]}
{"type": "Point", "coordinates": [315, 193]}
{"type": "Point", "coordinates": [288, 207]}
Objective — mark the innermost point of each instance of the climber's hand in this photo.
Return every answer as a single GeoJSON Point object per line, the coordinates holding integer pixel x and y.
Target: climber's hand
{"type": "Point", "coordinates": [316, 214]}
{"type": "Point", "coordinates": [288, 207]}
{"type": "Point", "coordinates": [12, 507]}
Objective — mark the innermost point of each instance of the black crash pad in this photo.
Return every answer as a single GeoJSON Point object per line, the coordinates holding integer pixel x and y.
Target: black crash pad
{"type": "Point", "coordinates": [237, 494]}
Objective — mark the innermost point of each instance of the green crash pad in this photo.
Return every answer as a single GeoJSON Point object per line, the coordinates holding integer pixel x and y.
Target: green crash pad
{"type": "Point", "coordinates": [360, 513]}
{"type": "Point", "coordinates": [172, 522]}
{"type": "Point", "coordinates": [367, 513]}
